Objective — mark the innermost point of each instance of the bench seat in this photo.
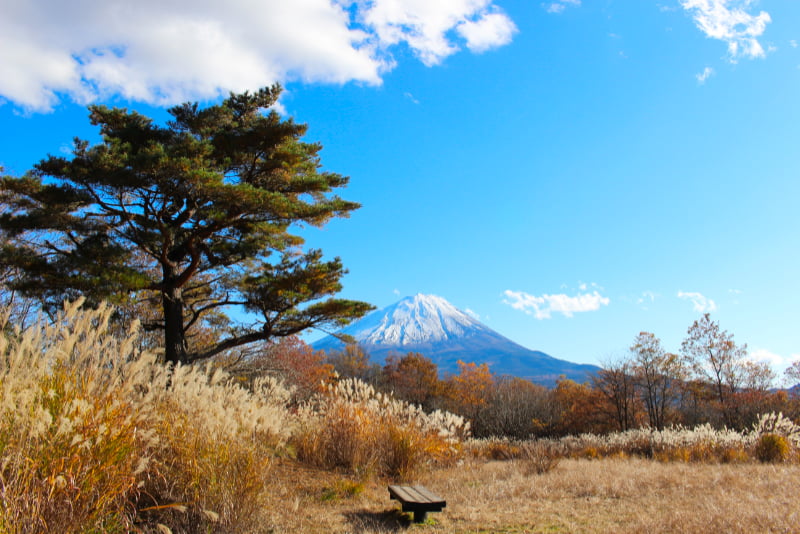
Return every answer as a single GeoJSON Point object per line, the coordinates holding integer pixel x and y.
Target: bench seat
{"type": "Point", "coordinates": [417, 499]}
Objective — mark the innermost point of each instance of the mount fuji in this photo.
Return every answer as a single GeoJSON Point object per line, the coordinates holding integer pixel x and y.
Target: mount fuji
{"type": "Point", "coordinates": [430, 325]}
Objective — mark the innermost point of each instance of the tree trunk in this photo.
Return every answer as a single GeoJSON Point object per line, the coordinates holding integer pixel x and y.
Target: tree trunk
{"type": "Point", "coordinates": [175, 349]}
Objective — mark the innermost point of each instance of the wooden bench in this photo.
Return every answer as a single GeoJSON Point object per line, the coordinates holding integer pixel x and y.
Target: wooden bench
{"type": "Point", "coordinates": [417, 499]}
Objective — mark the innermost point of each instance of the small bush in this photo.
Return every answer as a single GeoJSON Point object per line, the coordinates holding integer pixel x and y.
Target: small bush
{"type": "Point", "coordinates": [772, 448]}
{"type": "Point", "coordinates": [777, 423]}
{"type": "Point", "coordinates": [538, 457]}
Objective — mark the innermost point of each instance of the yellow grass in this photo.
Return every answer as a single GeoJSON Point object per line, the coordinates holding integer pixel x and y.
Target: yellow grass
{"type": "Point", "coordinates": [594, 496]}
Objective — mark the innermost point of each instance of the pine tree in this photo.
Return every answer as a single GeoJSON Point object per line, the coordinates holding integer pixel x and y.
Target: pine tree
{"type": "Point", "coordinates": [198, 216]}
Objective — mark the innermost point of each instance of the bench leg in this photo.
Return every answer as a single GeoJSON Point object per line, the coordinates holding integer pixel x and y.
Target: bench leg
{"type": "Point", "coordinates": [419, 516]}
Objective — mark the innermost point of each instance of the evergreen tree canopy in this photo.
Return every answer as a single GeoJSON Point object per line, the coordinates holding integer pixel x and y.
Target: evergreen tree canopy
{"type": "Point", "coordinates": [196, 216]}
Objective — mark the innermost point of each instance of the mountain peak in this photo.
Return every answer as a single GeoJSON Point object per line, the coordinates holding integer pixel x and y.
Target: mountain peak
{"type": "Point", "coordinates": [412, 320]}
{"type": "Point", "coordinates": [432, 326]}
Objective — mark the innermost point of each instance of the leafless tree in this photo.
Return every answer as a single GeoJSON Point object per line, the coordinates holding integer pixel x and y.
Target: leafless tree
{"type": "Point", "coordinates": [658, 374]}
{"type": "Point", "coordinates": [617, 385]}
{"type": "Point", "coordinates": [715, 358]}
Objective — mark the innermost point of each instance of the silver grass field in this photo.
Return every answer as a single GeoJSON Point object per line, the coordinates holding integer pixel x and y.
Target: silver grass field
{"type": "Point", "coordinates": [98, 436]}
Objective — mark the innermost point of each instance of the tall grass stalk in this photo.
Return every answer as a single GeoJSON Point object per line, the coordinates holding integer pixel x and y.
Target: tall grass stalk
{"type": "Point", "coordinates": [353, 427]}
{"type": "Point", "coordinates": [93, 440]}
{"type": "Point", "coordinates": [701, 443]}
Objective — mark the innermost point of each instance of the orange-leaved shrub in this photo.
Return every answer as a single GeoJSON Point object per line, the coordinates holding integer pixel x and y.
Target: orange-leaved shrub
{"type": "Point", "coordinates": [771, 448]}
{"type": "Point", "coordinates": [353, 427]}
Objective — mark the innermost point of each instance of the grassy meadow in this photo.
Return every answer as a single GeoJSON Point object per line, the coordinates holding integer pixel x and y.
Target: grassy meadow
{"type": "Point", "coordinates": [97, 436]}
{"type": "Point", "coordinates": [579, 495]}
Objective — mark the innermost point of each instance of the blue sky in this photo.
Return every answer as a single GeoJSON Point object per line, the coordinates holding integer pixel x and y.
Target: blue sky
{"type": "Point", "coordinates": [571, 172]}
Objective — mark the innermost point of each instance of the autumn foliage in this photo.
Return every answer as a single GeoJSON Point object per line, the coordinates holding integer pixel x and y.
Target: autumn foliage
{"type": "Point", "coordinates": [296, 363]}
{"type": "Point", "coordinates": [709, 381]}
{"type": "Point", "coordinates": [413, 378]}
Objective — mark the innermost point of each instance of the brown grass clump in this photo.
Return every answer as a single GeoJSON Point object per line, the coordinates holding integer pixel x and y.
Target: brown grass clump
{"type": "Point", "coordinates": [342, 489]}
{"type": "Point", "coordinates": [353, 427]}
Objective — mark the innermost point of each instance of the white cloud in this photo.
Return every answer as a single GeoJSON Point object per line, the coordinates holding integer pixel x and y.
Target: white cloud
{"type": "Point", "coordinates": [168, 51]}
{"type": "Point", "coordinates": [543, 307]}
{"type": "Point", "coordinates": [730, 21]}
{"type": "Point", "coordinates": [424, 25]}
{"type": "Point", "coordinates": [705, 75]}
{"type": "Point", "coordinates": [793, 43]}
{"type": "Point", "coordinates": [559, 6]}
{"type": "Point", "coordinates": [774, 360]}
{"type": "Point", "coordinates": [702, 304]}
{"type": "Point", "coordinates": [491, 31]}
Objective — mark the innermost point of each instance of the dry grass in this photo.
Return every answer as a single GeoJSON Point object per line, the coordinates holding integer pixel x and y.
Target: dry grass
{"type": "Point", "coordinates": [593, 496]}
{"type": "Point", "coordinates": [93, 440]}
{"type": "Point", "coordinates": [353, 427]}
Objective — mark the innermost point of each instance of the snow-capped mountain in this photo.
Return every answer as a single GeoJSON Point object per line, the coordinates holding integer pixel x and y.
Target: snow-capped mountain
{"type": "Point", "coordinates": [417, 319]}
{"type": "Point", "coordinates": [435, 328]}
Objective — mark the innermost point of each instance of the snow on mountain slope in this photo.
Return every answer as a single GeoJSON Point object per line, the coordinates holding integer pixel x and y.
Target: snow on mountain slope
{"type": "Point", "coordinates": [432, 326]}
{"type": "Point", "coordinates": [417, 319]}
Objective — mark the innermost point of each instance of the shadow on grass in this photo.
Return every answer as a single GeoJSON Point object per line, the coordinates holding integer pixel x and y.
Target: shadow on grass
{"type": "Point", "coordinates": [371, 521]}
